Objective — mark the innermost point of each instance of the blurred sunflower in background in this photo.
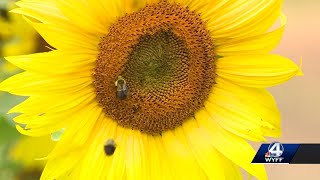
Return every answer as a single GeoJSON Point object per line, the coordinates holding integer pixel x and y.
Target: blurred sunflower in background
{"type": "Point", "coordinates": [28, 152]}
{"type": "Point", "coordinates": [151, 89]}
{"type": "Point", "coordinates": [18, 153]}
{"type": "Point", "coordinates": [17, 37]}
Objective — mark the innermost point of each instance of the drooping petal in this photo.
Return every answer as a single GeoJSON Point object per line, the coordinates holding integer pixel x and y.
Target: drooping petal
{"type": "Point", "coordinates": [247, 112]}
{"type": "Point", "coordinates": [245, 127]}
{"type": "Point", "coordinates": [258, 71]}
{"type": "Point", "coordinates": [257, 102]}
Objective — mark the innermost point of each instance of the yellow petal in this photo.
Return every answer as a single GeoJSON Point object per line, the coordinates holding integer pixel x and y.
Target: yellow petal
{"type": "Point", "coordinates": [231, 146]}
{"type": "Point", "coordinates": [55, 62]}
{"type": "Point", "coordinates": [54, 103]}
{"type": "Point", "coordinates": [194, 5]}
{"type": "Point", "coordinates": [96, 164]}
{"type": "Point", "coordinates": [49, 122]}
{"type": "Point", "coordinates": [158, 166]}
{"type": "Point", "coordinates": [153, 163]}
{"type": "Point", "coordinates": [28, 84]}
{"type": "Point", "coordinates": [79, 13]}
{"type": "Point", "coordinates": [235, 122]}
{"type": "Point", "coordinates": [231, 169]}
{"type": "Point", "coordinates": [43, 129]}
{"type": "Point", "coordinates": [59, 166]}
{"type": "Point", "coordinates": [183, 164]}
{"type": "Point", "coordinates": [258, 104]}
{"type": "Point", "coordinates": [103, 15]}
{"type": "Point", "coordinates": [213, 162]}
{"type": "Point", "coordinates": [57, 30]}
{"type": "Point", "coordinates": [206, 155]}
{"type": "Point", "coordinates": [117, 166]}
{"type": "Point", "coordinates": [257, 71]}
{"type": "Point", "coordinates": [241, 18]}
{"type": "Point", "coordinates": [247, 112]}
{"type": "Point", "coordinates": [116, 8]}
{"type": "Point", "coordinates": [259, 44]}
{"type": "Point", "coordinates": [83, 122]}
{"type": "Point", "coordinates": [69, 39]}
{"type": "Point", "coordinates": [45, 11]}
{"type": "Point", "coordinates": [135, 156]}
{"type": "Point", "coordinates": [34, 117]}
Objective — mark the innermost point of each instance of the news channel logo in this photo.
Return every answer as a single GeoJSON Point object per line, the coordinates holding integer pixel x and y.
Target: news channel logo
{"type": "Point", "coordinates": [283, 153]}
{"type": "Point", "coordinates": [275, 149]}
{"type": "Point", "coordinates": [272, 153]}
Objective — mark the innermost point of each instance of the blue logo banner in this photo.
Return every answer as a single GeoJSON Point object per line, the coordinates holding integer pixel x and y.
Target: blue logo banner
{"type": "Point", "coordinates": [275, 153]}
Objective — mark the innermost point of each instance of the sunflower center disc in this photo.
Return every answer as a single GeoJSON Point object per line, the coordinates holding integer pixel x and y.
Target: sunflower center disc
{"type": "Point", "coordinates": [165, 55]}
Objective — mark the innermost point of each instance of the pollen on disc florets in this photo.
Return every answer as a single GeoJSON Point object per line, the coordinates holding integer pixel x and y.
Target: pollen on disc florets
{"type": "Point", "coordinates": [165, 55]}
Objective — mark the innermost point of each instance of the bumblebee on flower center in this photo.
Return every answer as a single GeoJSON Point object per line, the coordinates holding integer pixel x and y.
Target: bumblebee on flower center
{"type": "Point", "coordinates": [165, 55]}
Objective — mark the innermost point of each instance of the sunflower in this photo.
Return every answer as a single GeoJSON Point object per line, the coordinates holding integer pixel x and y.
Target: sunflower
{"type": "Point", "coordinates": [152, 89]}
{"type": "Point", "coordinates": [17, 37]}
{"type": "Point", "coordinates": [27, 152]}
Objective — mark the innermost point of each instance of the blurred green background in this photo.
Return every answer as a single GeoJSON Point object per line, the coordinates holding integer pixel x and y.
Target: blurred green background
{"type": "Point", "coordinates": [298, 100]}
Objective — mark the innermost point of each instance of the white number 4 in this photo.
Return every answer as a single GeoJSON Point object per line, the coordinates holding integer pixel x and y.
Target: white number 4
{"type": "Point", "coordinates": [276, 149]}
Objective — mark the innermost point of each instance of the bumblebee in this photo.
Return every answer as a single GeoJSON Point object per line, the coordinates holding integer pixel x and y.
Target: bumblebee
{"type": "Point", "coordinates": [109, 147]}
{"type": "Point", "coordinates": [122, 88]}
